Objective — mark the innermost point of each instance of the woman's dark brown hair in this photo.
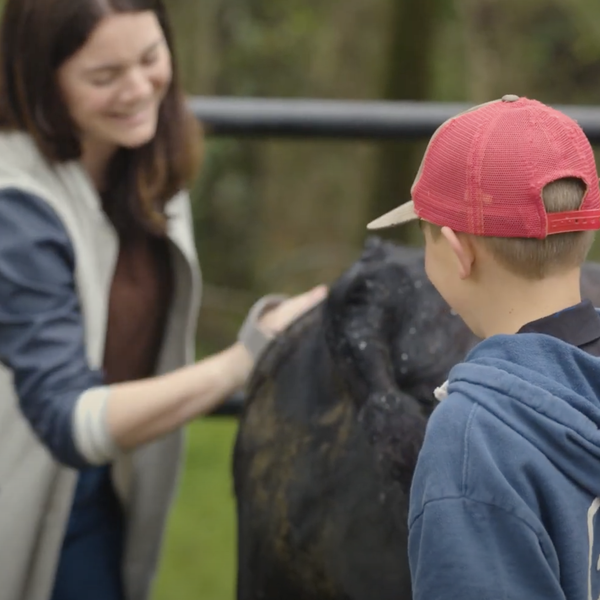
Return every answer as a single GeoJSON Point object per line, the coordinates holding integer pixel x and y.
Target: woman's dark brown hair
{"type": "Point", "coordinates": [36, 38]}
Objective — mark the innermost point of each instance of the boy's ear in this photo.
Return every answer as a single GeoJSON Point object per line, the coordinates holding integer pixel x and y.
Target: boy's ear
{"type": "Point", "coordinates": [462, 249]}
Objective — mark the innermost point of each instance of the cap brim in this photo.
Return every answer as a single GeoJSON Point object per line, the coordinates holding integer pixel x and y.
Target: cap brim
{"type": "Point", "coordinates": [398, 216]}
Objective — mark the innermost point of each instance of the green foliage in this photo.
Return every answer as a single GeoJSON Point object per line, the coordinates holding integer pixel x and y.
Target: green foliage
{"type": "Point", "coordinates": [225, 204]}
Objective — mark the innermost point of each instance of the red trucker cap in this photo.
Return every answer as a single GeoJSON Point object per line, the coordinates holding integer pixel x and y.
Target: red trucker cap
{"type": "Point", "coordinates": [484, 171]}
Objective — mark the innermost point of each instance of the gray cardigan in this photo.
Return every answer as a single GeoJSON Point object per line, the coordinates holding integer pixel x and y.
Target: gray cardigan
{"type": "Point", "coordinates": [35, 490]}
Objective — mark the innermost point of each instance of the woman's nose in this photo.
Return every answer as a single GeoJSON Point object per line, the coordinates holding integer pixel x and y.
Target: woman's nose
{"type": "Point", "coordinates": [138, 86]}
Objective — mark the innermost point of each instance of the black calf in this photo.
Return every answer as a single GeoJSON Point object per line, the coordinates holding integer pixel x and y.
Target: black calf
{"type": "Point", "coordinates": [331, 430]}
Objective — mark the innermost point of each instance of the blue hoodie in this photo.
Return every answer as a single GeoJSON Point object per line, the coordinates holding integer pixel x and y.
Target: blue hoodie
{"type": "Point", "coordinates": [506, 493]}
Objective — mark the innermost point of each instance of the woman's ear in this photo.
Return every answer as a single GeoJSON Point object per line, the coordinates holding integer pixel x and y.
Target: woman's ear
{"type": "Point", "coordinates": [462, 249]}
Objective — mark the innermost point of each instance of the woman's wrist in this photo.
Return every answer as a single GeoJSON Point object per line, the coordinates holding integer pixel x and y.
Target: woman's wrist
{"type": "Point", "coordinates": [220, 375]}
{"type": "Point", "coordinates": [239, 366]}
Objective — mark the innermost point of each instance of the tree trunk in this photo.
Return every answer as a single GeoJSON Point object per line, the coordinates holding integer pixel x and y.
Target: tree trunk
{"type": "Point", "coordinates": [413, 26]}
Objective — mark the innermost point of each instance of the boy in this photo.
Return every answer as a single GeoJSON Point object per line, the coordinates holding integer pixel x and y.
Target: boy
{"type": "Point", "coordinates": [506, 493]}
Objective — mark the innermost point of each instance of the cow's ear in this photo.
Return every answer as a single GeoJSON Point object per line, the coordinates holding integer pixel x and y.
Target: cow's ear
{"type": "Point", "coordinates": [362, 319]}
{"type": "Point", "coordinates": [368, 308]}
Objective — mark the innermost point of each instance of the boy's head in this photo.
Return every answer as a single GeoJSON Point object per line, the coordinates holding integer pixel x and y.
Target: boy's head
{"type": "Point", "coordinates": [512, 183]}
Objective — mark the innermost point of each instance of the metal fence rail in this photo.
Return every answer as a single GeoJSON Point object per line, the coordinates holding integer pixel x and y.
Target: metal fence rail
{"type": "Point", "coordinates": [260, 117]}
{"type": "Point", "coordinates": [232, 407]}
{"type": "Point", "coordinates": [310, 118]}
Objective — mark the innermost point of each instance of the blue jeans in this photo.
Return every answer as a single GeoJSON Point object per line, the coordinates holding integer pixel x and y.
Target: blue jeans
{"type": "Point", "coordinates": [91, 556]}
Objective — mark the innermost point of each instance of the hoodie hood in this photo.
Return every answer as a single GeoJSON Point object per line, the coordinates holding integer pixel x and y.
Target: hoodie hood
{"type": "Point", "coordinates": [545, 389]}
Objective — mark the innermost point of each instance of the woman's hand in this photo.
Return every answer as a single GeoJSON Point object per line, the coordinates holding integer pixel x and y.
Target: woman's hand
{"type": "Point", "coordinates": [141, 411]}
{"type": "Point", "coordinates": [280, 317]}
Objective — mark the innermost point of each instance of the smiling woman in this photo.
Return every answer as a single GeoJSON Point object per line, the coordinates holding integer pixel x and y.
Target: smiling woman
{"type": "Point", "coordinates": [99, 292]}
{"type": "Point", "coordinates": [103, 79]}
{"type": "Point", "coordinates": [114, 85]}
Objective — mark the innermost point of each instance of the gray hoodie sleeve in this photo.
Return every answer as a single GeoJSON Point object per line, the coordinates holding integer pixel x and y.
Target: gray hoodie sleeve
{"type": "Point", "coordinates": [42, 333]}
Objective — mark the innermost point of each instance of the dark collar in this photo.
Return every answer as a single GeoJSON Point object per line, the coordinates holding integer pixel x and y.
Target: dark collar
{"type": "Point", "coordinates": [578, 325]}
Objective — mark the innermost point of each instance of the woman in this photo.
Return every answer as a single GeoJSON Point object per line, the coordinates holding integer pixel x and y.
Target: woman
{"type": "Point", "coordinates": [99, 291]}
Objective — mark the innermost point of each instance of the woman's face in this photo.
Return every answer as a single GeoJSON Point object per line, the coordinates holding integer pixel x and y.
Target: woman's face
{"type": "Point", "coordinates": [113, 86]}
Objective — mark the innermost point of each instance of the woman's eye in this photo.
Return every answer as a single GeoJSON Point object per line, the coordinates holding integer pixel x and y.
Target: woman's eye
{"type": "Point", "coordinates": [103, 80]}
{"type": "Point", "coordinates": [150, 59]}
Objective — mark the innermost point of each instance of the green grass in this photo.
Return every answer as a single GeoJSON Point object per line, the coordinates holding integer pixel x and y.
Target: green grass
{"type": "Point", "coordinates": [199, 555]}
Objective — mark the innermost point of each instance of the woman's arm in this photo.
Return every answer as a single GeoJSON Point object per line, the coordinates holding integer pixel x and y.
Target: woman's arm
{"type": "Point", "coordinates": [141, 411]}
{"type": "Point", "coordinates": [76, 416]}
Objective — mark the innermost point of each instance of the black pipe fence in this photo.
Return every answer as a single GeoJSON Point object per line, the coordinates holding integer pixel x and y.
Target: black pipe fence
{"type": "Point", "coordinates": [376, 120]}
{"type": "Point", "coordinates": [352, 120]}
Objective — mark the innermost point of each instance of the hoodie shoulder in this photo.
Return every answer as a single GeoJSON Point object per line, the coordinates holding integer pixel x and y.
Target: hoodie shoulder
{"type": "Point", "coordinates": [470, 452]}
{"type": "Point", "coordinates": [440, 467]}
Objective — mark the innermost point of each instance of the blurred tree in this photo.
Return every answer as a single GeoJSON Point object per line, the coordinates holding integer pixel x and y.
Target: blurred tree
{"type": "Point", "coordinates": [285, 214]}
{"type": "Point", "coordinates": [413, 31]}
{"type": "Point", "coordinates": [277, 214]}
{"type": "Point", "coordinates": [224, 197]}
{"type": "Point", "coordinates": [546, 49]}
{"type": "Point", "coordinates": [312, 192]}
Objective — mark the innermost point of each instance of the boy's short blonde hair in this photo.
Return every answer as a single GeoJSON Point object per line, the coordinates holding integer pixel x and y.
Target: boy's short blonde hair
{"type": "Point", "coordinates": [536, 259]}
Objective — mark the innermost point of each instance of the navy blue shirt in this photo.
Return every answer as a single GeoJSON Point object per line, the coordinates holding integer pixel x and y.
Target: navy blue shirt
{"type": "Point", "coordinates": [577, 325]}
{"type": "Point", "coordinates": [42, 342]}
